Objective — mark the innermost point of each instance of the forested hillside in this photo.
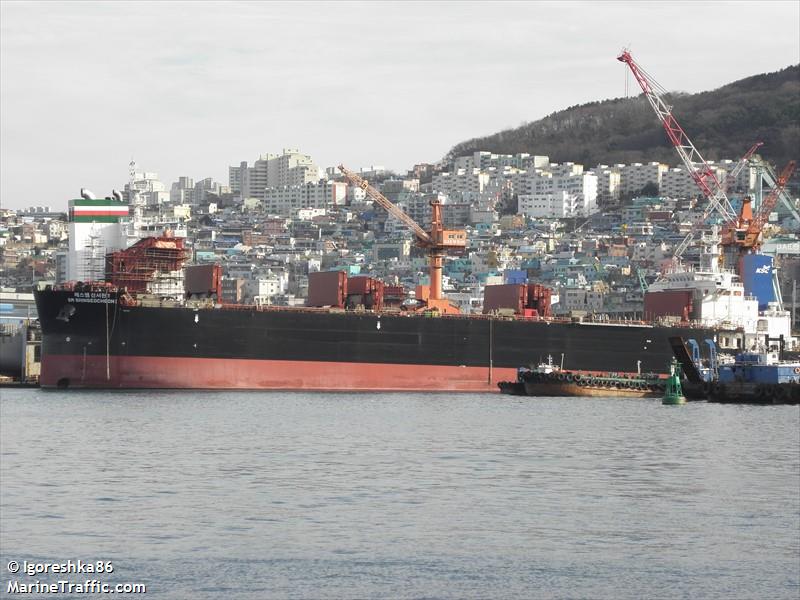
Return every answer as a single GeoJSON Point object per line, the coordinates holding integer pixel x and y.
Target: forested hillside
{"type": "Point", "coordinates": [722, 123]}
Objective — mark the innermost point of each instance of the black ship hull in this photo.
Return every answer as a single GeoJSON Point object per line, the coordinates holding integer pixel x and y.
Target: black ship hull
{"type": "Point", "coordinates": [95, 340]}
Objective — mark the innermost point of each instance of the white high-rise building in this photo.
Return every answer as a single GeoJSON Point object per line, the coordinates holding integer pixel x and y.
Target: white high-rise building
{"type": "Point", "coordinates": [487, 160]}
{"type": "Point", "coordinates": [285, 200]}
{"type": "Point", "coordinates": [182, 191]}
{"type": "Point", "coordinates": [562, 191]}
{"type": "Point", "coordinates": [236, 177]}
{"type": "Point", "coordinates": [291, 168]}
{"type": "Point", "coordinates": [461, 181]}
{"type": "Point", "coordinates": [678, 183]}
{"type": "Point", "coordinates": [636, 176]}
{"type": "Point", "coordinates": [608, 183]}
{"type": "Point", "coordinates": [148, 188]}
{"type": "Point", "coordinates": [204, 187]}
{"type": "Point", "coordinates": [550, 205]}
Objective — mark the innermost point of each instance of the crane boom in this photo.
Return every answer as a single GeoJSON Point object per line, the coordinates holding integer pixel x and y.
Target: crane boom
{"type": "Point", "coordinates": [679, 250]}
{"type": "Point", "coordinates": [438, 242]}
{"type": "Point", "coordinates": [753, 236]}
{"type": "Point", "coordinates": [731, 177]}
{"type": "Point", "coordinates": [769, 177]}
{"type": "Point", "coordinates": [393, 210]}
{"type": "Point", "coordinates": [695, 164]}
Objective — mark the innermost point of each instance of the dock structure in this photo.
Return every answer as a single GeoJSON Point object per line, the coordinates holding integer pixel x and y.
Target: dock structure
{"type": "Point", "coordinates": [20, 340]}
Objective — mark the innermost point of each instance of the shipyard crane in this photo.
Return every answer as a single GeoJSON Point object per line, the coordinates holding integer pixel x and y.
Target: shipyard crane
{"type": "Point", "coordinates": [438, 241]}
{"type": "Point", "coordinates": [748, 233]}
{"type": "Point", "coordinates": [731, 177]}
{"type": "Point", "coordinates": [700, 171]}
{"type": "Point", "coordinates": [768, 176]}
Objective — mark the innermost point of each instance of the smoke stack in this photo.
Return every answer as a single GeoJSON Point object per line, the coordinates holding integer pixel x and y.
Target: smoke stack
{"type": "Point", "coordinates": [87, 194]}
{"type": "Point", "coordinates": [117, 195]}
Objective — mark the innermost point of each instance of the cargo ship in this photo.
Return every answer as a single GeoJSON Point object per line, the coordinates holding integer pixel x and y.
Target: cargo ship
{"type": "Point", "coordinates": [102, 336]}
{"type": "Point", "coordinates": [120, 334]}
{"type": "Point", "coordinates": [156, 323]}
{"type": "Point", "coordinates": [97, 336]}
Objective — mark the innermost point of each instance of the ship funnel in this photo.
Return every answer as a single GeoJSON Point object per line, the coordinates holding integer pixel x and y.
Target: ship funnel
{"type": "Point", "coordinates": [117, 195]}
{"type": "Point", "coordinates": [87, 194]}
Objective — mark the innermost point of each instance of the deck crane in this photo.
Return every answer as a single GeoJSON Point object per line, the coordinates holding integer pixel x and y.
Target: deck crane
{"type": "Point", "coordinates": [700, 171]}
{"type": "Point", "coordinates": [438, 241]}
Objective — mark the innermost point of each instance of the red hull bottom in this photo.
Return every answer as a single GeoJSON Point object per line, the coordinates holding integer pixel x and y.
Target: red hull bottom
{"type": "Point", "coordinates": [134, 372]}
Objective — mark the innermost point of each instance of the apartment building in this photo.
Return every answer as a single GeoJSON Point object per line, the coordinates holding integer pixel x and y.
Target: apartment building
{"type": "Point", "coordinates": [678, 183]}
{"type": "Point", "coordinates": [147, 188]}
{"type": "Point", "coordinates": [562, 191]}
{"type": "Point", "coordinates": [461, 180]}
{"type": "Point", "coordinates": [182, 191]}
{"type": "Point", "coordinates": [609, 181]}
{"type": "Point", "coordinates": [291, 168]}
{"type": "Point", "coordinates": [288, 199]}
{"type": "Point", "coordinates": [636, 176]}
{"type": "Point", "coordinates": [486, 160]}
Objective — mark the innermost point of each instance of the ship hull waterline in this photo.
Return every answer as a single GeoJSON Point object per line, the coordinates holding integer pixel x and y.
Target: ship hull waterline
{"type": "Point", "coordinates": [573, 390]}
{"type": "Point", "coordinates": [144, 372]}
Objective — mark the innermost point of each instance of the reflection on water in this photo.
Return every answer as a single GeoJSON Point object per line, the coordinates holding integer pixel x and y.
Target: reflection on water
{"type": "Point", "coordinates": [291, 495]}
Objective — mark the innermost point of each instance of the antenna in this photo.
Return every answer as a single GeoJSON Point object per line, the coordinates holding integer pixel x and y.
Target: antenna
{"type": "Point", "coordinates": [133, 194]}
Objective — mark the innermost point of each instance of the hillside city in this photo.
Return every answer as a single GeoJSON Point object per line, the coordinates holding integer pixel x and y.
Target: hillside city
{"type": "Point", "coordinates": [597, 236]}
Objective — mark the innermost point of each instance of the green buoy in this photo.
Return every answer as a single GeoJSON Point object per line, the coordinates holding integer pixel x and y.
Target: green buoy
{"type": "Point", "coordinates": [674, 393]}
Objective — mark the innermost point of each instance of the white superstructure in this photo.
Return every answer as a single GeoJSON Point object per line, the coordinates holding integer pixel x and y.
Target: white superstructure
{"type": "Point", "coordinates": [719, 300]}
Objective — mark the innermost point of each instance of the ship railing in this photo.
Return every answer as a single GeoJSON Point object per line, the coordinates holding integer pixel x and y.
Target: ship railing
{"type": "Point", "coordinates": [85, 286]}
{"type": "Point", "coordinates": [481, 317]}
{"type": "Point", "coordinates": [8, 329]}
{"type": "Point", "coordinates": [275, 308]}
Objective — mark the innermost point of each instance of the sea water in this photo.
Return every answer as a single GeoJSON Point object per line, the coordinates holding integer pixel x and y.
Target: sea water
{"type": "Point", "coordinates": [322, 495]}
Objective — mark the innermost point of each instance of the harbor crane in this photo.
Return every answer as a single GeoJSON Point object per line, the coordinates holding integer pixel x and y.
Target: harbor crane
{"type": "Point", "coordinates": [700, 171]}
{"type": "Point", "coordinates": [768, 176]}
{"type": "Point", "coordinates": [747, 235]}
{"type": "Point", "coordinates": [697, 167]}
{"type": "Point", "coordinates": [438, 241]}
{"type": "Point", "coordinates": [731, 177]}
{"type": "Point", "coordinates": [729, 180]}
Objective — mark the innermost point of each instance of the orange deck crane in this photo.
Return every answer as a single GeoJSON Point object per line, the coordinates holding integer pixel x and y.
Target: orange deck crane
{"type": "Point", "coordinates": [438, 241]}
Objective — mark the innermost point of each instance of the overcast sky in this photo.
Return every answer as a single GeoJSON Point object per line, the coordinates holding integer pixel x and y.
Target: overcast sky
{"type": "Point", "coordinates": [189, 88]}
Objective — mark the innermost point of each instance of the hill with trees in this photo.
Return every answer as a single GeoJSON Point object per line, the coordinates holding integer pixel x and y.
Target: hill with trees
{"type": "Point", "coordinates": [722, 123]}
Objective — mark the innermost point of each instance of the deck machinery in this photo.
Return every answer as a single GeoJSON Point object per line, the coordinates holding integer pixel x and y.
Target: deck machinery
{"type": "Point", "coordinates": [438, 241]}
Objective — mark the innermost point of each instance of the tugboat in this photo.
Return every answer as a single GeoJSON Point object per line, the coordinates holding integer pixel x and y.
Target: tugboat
{"type": "Point", "coordinates": [514, 388]}
{"type": "Point", "coordinates": [757, 377]}
{"type": "Point", "coordinates": [549, 379]}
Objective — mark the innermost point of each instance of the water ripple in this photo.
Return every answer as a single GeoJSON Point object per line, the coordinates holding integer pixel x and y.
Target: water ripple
{"type": "Point", "coordinates": [291, 495]}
